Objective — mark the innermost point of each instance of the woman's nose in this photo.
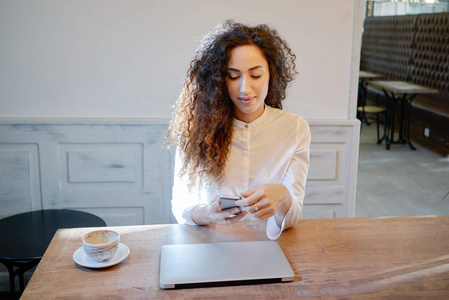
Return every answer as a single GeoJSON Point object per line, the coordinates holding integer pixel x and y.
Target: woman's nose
{"type": "Point", "coordinates": [245, 86]}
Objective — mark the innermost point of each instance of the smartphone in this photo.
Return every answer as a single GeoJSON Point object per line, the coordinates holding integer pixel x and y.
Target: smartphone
{"type": "Point", "coordinates": [228, 202]}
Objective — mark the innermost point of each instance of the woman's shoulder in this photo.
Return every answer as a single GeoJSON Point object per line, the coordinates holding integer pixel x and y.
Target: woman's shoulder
{"type": "Point", "coordinates": [288, 126]}
{"type": "Point", "coordinates": [285, 116]}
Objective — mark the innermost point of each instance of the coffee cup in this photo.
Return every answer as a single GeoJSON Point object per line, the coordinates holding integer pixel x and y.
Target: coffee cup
{"type": "Point", "coordinates": [101, 245]}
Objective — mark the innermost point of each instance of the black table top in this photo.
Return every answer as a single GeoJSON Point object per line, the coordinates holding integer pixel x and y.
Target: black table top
{"type": "Point", "coordinates": [26, 236]}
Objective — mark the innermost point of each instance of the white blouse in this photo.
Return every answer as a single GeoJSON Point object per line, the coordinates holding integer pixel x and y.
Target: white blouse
{"type": "Point", "coordinates": [272, 149]}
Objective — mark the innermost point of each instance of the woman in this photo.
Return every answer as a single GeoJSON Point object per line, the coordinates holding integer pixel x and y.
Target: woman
{"type": "Point", "coordinates": [232, 136]}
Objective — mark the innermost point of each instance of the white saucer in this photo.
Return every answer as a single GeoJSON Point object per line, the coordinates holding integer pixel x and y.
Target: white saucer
{"type": "Point", "coordinates": [81, 258]}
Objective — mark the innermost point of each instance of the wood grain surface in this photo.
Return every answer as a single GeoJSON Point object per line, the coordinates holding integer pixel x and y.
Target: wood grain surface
{"type": "Point", "coordinates": [357, 258]}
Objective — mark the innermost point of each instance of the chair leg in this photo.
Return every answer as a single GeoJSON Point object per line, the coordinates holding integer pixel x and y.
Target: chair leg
{"type": "Point", "coordinates": [365, 119]}
{"type": "Point", "coordinates": [385, 129]}
{"type": "Point", "coordinates": [377, 125]}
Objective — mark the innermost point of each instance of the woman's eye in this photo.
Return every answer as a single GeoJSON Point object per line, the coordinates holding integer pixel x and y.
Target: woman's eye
{"type": "Point", "coordinates": [233, 77]}
{"type": "Point", "coordinates": [256, 76]}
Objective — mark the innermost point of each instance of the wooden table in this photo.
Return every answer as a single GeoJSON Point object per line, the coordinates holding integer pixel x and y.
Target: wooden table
{"type": "Point", "coordinates": [374, 258]}
{"type": "Point", "coordinates": [404, 92]}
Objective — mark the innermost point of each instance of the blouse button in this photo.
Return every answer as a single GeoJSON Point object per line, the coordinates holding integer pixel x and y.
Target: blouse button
{"type": "Point", "coordinates": [246, 125]}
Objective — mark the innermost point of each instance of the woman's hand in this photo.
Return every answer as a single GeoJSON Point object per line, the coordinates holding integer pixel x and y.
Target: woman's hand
{"type": "Point", "coordinates": [212, 214]}
{"type": "Point", "coordinates": [267, 200]}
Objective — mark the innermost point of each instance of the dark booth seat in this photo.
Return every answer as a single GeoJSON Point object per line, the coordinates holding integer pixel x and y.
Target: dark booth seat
{"type": "Point", "coordinates": [414, 48]}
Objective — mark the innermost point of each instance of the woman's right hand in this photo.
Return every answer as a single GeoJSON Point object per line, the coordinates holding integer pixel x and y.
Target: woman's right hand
{"type": "Point", "coordinates": [212, 214]}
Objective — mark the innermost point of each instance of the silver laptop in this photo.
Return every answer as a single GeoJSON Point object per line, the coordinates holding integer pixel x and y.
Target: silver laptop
{"type": "Point", "coordinates": [218, 264]}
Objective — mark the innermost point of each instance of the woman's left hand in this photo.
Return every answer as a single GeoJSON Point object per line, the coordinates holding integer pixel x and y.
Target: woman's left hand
{"type": "Point", "coordinates": [267, 200]}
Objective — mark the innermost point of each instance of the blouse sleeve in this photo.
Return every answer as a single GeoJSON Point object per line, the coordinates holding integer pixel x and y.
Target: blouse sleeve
{"type": "Point", "coordinates": [295, 181]}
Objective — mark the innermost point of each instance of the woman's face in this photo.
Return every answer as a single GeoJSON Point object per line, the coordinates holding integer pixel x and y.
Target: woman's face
{"type": "Point", "coordinates": [247, 82]}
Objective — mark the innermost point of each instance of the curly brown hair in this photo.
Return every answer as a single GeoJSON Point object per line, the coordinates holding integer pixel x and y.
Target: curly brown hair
{"type": "Point", "coordinates": [203, 116]}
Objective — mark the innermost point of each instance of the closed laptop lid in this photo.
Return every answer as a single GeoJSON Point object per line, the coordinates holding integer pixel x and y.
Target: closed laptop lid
{"type": "Point", "coordinates": [216, 264]}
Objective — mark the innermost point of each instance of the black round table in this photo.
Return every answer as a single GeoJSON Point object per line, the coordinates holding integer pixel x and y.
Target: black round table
{"type": "Point", "coordinates": [25, 237]}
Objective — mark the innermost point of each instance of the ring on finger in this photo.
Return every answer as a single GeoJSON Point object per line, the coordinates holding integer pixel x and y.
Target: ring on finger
{"type": "Point", "coordinates": [255, 207]}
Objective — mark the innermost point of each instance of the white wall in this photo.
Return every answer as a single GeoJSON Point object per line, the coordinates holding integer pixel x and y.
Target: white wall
{"type": "Point", "coordinates": [117, 58]}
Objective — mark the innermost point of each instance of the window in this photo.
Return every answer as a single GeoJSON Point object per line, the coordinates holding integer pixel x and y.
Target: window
{"type": "Point", "coordinates": [377, 8]}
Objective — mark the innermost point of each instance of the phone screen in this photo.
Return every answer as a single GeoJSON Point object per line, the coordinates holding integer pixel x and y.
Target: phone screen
{"type": "Point", "coordinates": [228, 202]}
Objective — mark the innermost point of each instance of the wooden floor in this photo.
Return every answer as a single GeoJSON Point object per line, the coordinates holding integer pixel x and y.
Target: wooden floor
{"type": "Point", "coordinates": [400, 182]}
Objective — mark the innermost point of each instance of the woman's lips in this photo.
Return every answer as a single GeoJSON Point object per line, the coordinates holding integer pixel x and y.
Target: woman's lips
{"type": "Point", "coordinates": [246, 100]}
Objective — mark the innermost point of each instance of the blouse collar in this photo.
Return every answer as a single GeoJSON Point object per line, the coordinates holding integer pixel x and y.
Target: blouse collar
{"type": "Point", "coordinates": [240, 124]}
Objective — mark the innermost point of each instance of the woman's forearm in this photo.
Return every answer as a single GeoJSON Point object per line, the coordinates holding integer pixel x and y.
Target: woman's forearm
{"type": "Point", "coordinates": [283, 209]}
{"type": "Point", "coordinates": [199, 215]}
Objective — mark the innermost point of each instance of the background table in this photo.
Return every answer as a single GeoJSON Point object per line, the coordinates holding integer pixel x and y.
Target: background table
{"type": "Point", "coordinates": [365, 75]}
{"type": "Point", "coordinates": [25, 237]}
{"type": "Point", "coordinates": [375, 258]}
{"type": "Point", "coordinates": [404, 92]}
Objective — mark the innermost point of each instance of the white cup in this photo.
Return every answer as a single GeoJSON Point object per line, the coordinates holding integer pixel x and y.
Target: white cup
{"type": "Point", "coordinates": [101, 245]}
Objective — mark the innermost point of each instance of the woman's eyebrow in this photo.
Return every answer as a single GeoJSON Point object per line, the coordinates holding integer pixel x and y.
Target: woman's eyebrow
{"type": "Point", "coordinates": [250, 69]}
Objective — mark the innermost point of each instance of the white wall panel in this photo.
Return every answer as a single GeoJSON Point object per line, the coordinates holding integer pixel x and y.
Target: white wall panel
{"type": "Point", "coordinates": [111, 167]}
{"type": "Point", "coordinates": [325, 162]}
{"type": "Point", "coordinates": [118, 169]}
{"type": "Point", "coordinates": [101, 165]}
{"type": "Point", "coordinates": [330, 189]}
{"type": "Point", "coordinates": [19, 178]}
